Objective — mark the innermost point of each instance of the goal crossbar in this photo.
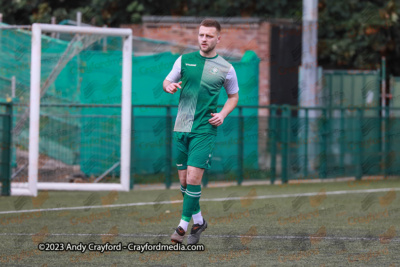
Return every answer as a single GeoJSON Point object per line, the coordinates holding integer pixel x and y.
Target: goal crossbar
{"type": "Point", "coordinates": [31, 187]}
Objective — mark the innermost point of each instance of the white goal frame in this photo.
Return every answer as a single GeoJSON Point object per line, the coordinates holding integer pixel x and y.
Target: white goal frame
{"type": "Point", "coordinates": [32, 186]}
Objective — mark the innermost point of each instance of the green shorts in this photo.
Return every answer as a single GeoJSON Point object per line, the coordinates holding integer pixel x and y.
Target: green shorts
{"type": "Point", "coordinates": [194, 150]}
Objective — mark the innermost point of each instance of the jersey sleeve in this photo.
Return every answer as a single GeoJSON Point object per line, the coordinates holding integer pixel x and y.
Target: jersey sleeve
{"type": "Point", "coordinates": [231, 83]}
{"type": "Point", "coordinates": [175, 74]}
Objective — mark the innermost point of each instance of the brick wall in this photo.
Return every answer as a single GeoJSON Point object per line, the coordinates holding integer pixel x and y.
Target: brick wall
{"type": "Point", "coordinates": [238, 35]}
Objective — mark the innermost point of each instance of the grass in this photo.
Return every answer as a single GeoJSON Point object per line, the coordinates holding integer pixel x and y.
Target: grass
{"type": "Point", "coordinates": [312, 230]}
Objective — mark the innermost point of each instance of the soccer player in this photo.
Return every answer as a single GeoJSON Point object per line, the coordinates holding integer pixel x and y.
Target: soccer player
{"type": "Point", "coordinates": [202, 75]}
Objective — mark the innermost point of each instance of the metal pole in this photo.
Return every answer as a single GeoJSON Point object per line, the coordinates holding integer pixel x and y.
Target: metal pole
{"type": "Point", "coordinates": [126, 110]}
{"type": "Point", "coordinates": [383, 114]}
{"type": "Point", "coordinates": [6, 152]}
{"type": "Point", "coordinates": [53, 21]}
{"type": "Point", "coordinates": [13, 86]}
{"type": "Point", "coordinates": [285, 142]}
{"type": "Point", "coordinates": [168, 148]}
{"type": "Point", "coordinates": [273, 134]}
{"type": "Point", "coordinates": [308, 79]}
{"type": "Point", "coordinates": [359, 142]}
{"type": "Point", "coordinates": [34, 109]}
{"type": "Point", "coordinates": [324, 136]}
{"type": "Point", "coordinates": [305, 171]}
{"type": "Point", "coordinates": [387, 151]}
{"type": "Point", "coordinates": [78, 18]}
{"type": "Point", "coordinates": [133, 140]}
{"type": "Point", "coordinates": [1, 31]}
{"type": "Point", "coordinates": [342, 141]}
{"type": "Point", "coordinates": [105, 41]}
{"type": "Point", "coordinates": [240, 148]}
{"type": "Point", "coordinates": [383, 97]}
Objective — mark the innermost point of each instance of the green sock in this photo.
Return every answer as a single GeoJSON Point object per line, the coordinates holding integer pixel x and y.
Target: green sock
{"type": "Point", "coordinates": [183, 190]}
{"type": "Point", "coordinates": [191, 201]}
{"type": "Point", "coordinates": [197, 208]}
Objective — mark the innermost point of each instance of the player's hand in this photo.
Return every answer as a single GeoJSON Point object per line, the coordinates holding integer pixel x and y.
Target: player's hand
{"type": "Point", "coordinates": [217, 119]}
{"type": "Point", "coordinates": [173, 87]}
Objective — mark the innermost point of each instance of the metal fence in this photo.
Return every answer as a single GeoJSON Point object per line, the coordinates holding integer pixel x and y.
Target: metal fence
{"type": "Point", "coordinates": [5, 147]}
{"type": "Point", "coordinates": [302, 143]}
{"type": "Point", "coordinates": [338, 142]}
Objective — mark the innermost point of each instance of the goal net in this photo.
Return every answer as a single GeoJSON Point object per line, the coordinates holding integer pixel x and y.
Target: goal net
{"type": "Point", "coordinates": [71, 131]}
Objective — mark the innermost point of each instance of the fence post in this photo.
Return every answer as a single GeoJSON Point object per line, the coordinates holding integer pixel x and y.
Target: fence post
{"type": "Point", "coordinates": [6, 151]}
{"type": "Point", "coordinates": [133, 140]}
{"type": "Point", "coordinates": [240, 144]}
{"type": "Point", "coordinates": [305, 170]}
{"type": "Point", "coordinates": [272, 137]}
{"type": "Point", "coordinates": [168, 148]}
{"type": "Point", "coordinates": [342, 142]}
{"type": "Point", "coordinates": [323, 133]}
{"type": "Point", "coordinates": [359, 171]}
{"type": "Point", "coordinates": [285, 142]}
{"type": "Point", "coordinates": [386, 145]}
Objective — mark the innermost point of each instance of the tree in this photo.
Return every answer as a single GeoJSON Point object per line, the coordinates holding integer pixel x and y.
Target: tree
{"type": "Point", "coordinates": [352, 33]}
{"type": "Point", "coordinates": [355, 34]}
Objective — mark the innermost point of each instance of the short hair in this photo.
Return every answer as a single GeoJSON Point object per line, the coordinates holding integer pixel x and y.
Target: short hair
{"type": "Point", "coordinates": [211, 23]}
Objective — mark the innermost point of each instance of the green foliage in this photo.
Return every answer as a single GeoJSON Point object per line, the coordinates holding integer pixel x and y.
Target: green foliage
{"type": "Point", "coordinates": [355, 34]}
{"type": "Point", "coordinates": [136, 10]}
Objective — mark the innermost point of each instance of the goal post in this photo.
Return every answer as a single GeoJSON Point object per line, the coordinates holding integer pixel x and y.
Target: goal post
{"type": "Point", "coordinates": [33, 185]}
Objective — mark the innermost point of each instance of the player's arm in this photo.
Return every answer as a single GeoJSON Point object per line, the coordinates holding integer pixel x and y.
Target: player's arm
{"type": "Point", "coordinates": [232, 88]}
{"type": "Point", "coordinates": [230, 104]}
{"type": "Point", "coordinates": [171, 84]}
{"type": "Point", "coordinates": [171, 87]}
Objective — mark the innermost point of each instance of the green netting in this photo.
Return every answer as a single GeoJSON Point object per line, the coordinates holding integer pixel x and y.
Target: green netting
{"type": "Point", "coordinates": [350, 88]}
{"type": "Point", "coordinates": [150, 146]}
{"type": "Point", "coordinates": [90, 137]}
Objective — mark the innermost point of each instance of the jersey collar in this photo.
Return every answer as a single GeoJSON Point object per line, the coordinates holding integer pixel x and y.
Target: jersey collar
{"type": "Point", "coordinates": [206, 57]}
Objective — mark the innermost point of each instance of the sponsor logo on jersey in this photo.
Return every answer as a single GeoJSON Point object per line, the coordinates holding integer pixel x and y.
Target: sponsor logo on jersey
{"type": "Point", "coordinates": [191, 65]}
{"type": "Point", "coordinates": [214, 70]}
{"type": "Point", "coordinates": [179, 165]}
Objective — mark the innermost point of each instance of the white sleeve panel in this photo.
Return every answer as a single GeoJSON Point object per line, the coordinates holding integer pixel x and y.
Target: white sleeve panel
{"type": "Point", "coordinates": [175, 74]}
{"type": "Point", "coordinates": [231, 83]}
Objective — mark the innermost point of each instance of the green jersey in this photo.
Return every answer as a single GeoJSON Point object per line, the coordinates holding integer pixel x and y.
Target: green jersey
{"type": "Point", "coordinates": [202, 79]}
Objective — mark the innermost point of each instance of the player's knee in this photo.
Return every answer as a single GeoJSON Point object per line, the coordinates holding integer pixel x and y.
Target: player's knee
{"type": "Point", "coordinates": [194, 179]}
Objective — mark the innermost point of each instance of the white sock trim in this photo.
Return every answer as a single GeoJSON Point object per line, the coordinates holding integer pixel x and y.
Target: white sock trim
{"type": "Point", "coordinates": [197, 218]}
{"type": "Point", "coordinates": [184, 225]}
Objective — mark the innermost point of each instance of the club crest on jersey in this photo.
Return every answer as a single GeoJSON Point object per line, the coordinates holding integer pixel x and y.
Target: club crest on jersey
{"type": "Point", "coordinates": [214, 70]}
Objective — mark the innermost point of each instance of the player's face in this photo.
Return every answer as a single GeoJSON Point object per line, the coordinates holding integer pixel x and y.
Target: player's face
{"type": "Point", "coordinates": [208, 38]}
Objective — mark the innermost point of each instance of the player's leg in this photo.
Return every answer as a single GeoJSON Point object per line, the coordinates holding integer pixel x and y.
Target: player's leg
{"type": "Point", "coordinates": [200, 153]}
{"type": "Point", "coordinates": [182, 179]}
{"type": "Point", "coordinates": [193, 194]}
{"type": "Point", "coordinates": [181, 163]}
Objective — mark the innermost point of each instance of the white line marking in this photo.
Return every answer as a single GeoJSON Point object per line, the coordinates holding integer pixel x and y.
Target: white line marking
{"type": "Point", "coordinates": [343, 192]}
{"type": "Point", "coordinates": [348, 238]}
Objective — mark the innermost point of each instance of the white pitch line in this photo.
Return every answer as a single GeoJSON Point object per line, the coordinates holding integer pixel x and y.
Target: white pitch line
{"type": "Point", "coordinates": [343, 192]}
{"type": "Point", "coordinates": [347, 238]}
